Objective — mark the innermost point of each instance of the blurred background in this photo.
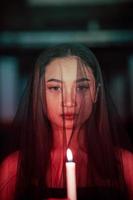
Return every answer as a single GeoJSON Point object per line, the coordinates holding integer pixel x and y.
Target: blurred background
{"type": "Point", "coordinates": [29, 26]}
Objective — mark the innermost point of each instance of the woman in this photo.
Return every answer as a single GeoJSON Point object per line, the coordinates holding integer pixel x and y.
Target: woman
{"type": "Point", "coordinates": [66, 105]}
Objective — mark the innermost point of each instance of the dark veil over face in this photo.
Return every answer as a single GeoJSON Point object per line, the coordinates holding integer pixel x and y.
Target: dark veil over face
{"type": "Point", "coordinates": [82, 109]}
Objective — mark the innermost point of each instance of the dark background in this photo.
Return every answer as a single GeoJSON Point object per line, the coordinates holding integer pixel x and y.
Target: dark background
{"type": "Point", "coordinates": [29, 26]}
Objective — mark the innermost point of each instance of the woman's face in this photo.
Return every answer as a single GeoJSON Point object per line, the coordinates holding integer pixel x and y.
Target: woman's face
{"type": "Point", "coordinates": [70, 92]}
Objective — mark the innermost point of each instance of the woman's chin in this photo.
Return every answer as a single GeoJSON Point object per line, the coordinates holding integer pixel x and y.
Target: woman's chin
{"type": "Point", "coordinates": [69, 124]}
{"type": "Point", "coordinates": [66, 125]}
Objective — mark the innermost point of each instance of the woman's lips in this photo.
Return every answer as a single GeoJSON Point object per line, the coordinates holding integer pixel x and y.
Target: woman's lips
{"type": "Point", "coordinates": [69, 116]}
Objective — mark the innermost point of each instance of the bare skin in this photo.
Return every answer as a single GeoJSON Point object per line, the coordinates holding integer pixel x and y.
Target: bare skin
{"type": "Point", "coordinates": [69, 95]}
{"type": "Point", "coordinates": [63, 85]}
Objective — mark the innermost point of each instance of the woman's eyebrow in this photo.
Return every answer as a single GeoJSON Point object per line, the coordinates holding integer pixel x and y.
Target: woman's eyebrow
{"type": "Point", "coordinates": [82, 79]}
{"type": "Point", "coordinates": [55, 80]}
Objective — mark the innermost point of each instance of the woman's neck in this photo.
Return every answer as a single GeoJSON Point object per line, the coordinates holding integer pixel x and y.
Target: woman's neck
{"type": "Point", "coordinates": [63, 140]}
{"type": "Point", "coordinates": [68, 137]}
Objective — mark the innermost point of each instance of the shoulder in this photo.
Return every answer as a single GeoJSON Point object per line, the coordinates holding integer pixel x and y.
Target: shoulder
{"type": "Point", "coordinates": [8, 167]}
{"type": "Point", "coordinates": [8, 171]}
{"type": "Point", "coordinates": [127, 156]}
{"type": "Point", "coordinates": [127, 161]}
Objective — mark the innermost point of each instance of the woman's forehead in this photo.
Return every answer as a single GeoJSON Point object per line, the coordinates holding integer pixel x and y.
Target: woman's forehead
{"type": "Point", "coordinates": [67, 68]}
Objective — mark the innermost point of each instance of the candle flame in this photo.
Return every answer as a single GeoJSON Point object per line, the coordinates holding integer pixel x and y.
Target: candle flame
{"type": "Point", "coordinates": [69, 155]}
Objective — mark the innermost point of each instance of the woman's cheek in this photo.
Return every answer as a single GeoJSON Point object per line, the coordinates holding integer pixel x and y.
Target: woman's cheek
{"type": "Point", "coordinates": [87, 109]}
{"type": "Point", "coordinates": [52, 107]}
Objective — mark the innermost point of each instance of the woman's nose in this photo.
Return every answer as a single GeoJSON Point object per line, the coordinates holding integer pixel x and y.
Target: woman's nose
{"type": "Point", "coordinates": [69, 98]}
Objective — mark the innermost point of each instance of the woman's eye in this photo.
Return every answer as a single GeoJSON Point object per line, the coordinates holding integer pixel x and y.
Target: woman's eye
{"type": "Point", "coordinates": [82, 87]}
{"type": "Point", "coordinates": [55, 88]}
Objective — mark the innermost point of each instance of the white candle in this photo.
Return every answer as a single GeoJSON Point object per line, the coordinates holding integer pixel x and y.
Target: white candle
{"type": "Point", "coordinates": [71, 177]}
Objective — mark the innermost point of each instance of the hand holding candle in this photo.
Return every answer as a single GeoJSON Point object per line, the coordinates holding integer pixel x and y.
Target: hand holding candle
{"type": "Point", "coordinates": [71, 177]}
